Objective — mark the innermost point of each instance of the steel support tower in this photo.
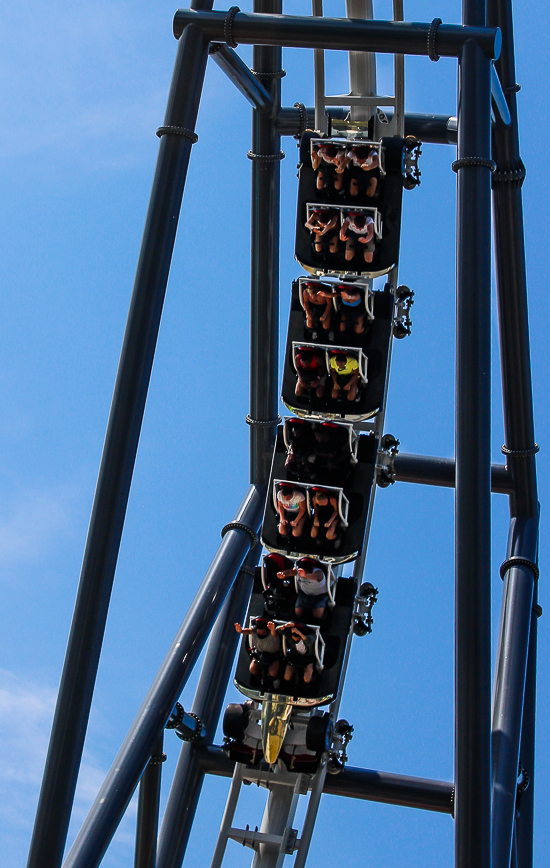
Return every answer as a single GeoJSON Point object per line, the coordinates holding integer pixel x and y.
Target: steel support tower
{"type": "Point", "coordinates": [492, 803]}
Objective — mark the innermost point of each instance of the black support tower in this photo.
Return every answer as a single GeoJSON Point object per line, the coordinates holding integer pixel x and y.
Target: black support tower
{"type": "Point", "coordinates": [493, 814]}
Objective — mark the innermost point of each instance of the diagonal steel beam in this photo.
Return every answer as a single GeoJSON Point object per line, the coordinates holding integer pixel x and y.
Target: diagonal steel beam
{"type": "Point", "coordinates": [123, 777]}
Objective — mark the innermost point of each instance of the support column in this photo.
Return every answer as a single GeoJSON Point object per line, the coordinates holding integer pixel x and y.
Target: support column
{"type": "Point", "coordinates": [511, 280]}
{"type": "Point", "coordinates": [473, 466]}
{"type": "Point", "coordinates": [119, 453]}
{"type": "Point", "coordinates": [516, 378]}
{"type": "Point", "coordinates": [264, 341]}
{"type": "Point", "coordinates": [148, 809]}
{"type": "Point", "coordinates": [526, 802]}
{"type": "Point", "coordinates": [511, 666]}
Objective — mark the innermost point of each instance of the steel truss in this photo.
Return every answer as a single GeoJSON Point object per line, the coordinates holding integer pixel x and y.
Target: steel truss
{"type": "Point", "coordinates": [485, 797]}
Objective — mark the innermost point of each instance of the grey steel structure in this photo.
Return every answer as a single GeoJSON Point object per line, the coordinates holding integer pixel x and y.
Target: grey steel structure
{"type": "Point", "coordinates": [490, 747]}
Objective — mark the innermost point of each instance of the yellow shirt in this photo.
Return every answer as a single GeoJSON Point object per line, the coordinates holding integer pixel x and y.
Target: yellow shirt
{"type": "Point", "coordinates": [349, 368]}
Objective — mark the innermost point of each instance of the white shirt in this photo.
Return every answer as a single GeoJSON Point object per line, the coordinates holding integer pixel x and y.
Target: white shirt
{"type": "Point", "coordinates": [315, 586]}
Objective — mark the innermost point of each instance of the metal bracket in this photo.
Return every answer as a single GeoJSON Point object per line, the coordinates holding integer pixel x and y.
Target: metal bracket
{"type": "Point", "coordinates": [402, 323]}
{"type": "Point", "coordinates": [279, 73]}
{"type": "Point", "coordinates": [303, 119]}
{"type": "Point", "coordinates": [228, 27]}
{"type": "Point", "coordinates": [520, 453]}
{"type": "Point", "coordinates": [411, 155]}
{"type": "Point", "coordinates": [288, 842]}
{"type": "Point", "coordinates": [239, 525]}
{"type": "Point", "coordinates": [385, 470]}
{"type": "Point", "coordinates": [474, 161]}
{"type": "Point", "coordinates": [178, 131]}
{"type": "Point", "coordinates": [362, 610]}
{"type": "Point", "coordinates": [266, 158]}
{"type": "Point", "coordinates": [188, 726]}
{"type": "Point", "coordinates": [432, 33]}
{"type": "Point", "coordinates": [157, 760]}
{"type": "Point", "coordinates": [263, 423]}
{"type": "Point", "coordinates": [518, 562]}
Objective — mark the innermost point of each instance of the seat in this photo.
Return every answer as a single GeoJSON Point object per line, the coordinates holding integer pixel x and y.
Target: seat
{"type": "Point", "coordinates": [342, 506]}
{"type": "Point", "coordinates": [354, 302]}
{"type": "Point", "coordinates": [335, 450]}
{"type": "Point", "coordinates": [299, 438]}
{"type": "Point", "coordinates": [279, 594]}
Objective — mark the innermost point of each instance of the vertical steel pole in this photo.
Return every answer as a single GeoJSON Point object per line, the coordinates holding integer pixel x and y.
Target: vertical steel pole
{"type": "Point", "coordinates": [473, 465]}
{"type": "Point", "coordinates": [525, 815]}
{"type": "Point", "coordinates": [474, 12]}
{"type": "Point", "coordinates": [211, 689]}
{"type": "Point", "coordinates": [264, 349]}
{"type": "Point", "coordinates": [517, 398]}
{"type": "Point", "coordinates": [512, 280]}
{"type": "Point", "coordinates": [148, 809]}
{"type": "Point", "coordinates": [117, 462]}
{"type": "Point", "coordinates": [115, 794]}
{"type": "Point", "coordinates": [511, 666]}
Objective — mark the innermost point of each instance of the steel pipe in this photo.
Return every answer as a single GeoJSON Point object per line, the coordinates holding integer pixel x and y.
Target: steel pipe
{"type": "Point", "coordinates": [188, 778]}
{"type": "Point", "coordinates": [242, 77]}
{"type": "Point", "coordinates": [473, 466]}
{"type": "Point", "coordinates": [115, 794]}
{"type": "Point", "coordinates": [354, 783]}
{"type": "Point", "coordinates": [339, 34]}
{"type": "Point", "coordinates": [117, 462]}
{"type": "Point", "coordinates": [526, 801]}
{"type": "Point", "coordinates": [509, 688]}
{"type": "Point", "coordinates": [148, 809]}
{"type": "Point", "coordinates": [264, 261]}
{"type": "Point", "coordinates": [511, 282]}
{"type": "Point", "coordinates": [426, 470]}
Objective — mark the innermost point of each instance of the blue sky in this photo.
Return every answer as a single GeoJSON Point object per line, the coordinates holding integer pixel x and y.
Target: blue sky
{"type": "Point", "coordinates": [85, 88]}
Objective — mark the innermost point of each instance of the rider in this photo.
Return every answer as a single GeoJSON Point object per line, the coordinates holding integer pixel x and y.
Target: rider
{"type": "Point", "coordinates": [334, 156]}
{"type": "Point", "coordinates": [291, 507]}
{"type": "Point", "coordinates": [344, 370]}
{"type": "Point", "coordinates": [326, 517]}
{"type": "Point", "coordinates": [316, 297]}
{"type": "Point", "coordinates": [300, 651]}
{"type": "Point", "coordinates": [312, 586]}
{"type": "Point", "coordinates": [352, 309]}
{"type": "Point", "coordinates": [266, 640]}
{"type": "Point", "coordinates": [311, 371]}
{"type": "Point", "coordinates": [320, 222]}
{"type": "Point", "coordinates": [363, 158]}
{"type": "Point", "coordinates": [362, 225]}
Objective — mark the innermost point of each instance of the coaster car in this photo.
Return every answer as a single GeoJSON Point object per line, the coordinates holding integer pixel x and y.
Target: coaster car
{"type": "Point", "coordinates": [339, 178]}
{"type": "Point", "coordinates": [313, 397]}
{"type": "Point", "coordinates": [352, 502]}
{"type": "Point", "coordinates": [326, 649]}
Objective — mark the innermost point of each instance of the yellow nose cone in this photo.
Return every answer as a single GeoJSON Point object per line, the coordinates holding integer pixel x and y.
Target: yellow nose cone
{"type": "Point", "coordinates": [275, 720]}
